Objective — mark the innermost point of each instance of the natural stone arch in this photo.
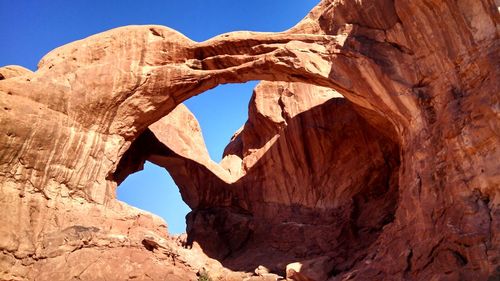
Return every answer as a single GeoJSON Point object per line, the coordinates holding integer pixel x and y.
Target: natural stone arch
{"type": "Point", "coordinates": [427, 68]}
{"type": "Point", "coordinates": [150, 69]}
{"type": "Point", "coordinates": [136, 75]}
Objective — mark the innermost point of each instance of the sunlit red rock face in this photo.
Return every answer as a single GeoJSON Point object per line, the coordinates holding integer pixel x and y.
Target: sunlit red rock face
{"type": "Point", "coordinates": [418, 199]}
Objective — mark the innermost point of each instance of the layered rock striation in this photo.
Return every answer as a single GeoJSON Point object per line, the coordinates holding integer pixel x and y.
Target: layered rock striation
{"type": "Point", "coordinates": [399, 180]}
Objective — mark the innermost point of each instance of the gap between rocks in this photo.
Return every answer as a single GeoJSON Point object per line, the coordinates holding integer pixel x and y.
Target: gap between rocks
{"type": "Point", "coordinates": [221, 112]}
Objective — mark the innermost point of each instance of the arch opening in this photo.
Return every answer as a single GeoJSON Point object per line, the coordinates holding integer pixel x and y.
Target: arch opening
{"type": "Point", "coordinates": [154, 190]}
{"type": "Point", "coordinates": [221, 112]}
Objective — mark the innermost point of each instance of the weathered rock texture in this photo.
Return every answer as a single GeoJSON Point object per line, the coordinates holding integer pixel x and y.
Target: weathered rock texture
{"type": "Point", "coordinates": [399, 180]}
{"type": "Point", "coordinates": [305, 177]}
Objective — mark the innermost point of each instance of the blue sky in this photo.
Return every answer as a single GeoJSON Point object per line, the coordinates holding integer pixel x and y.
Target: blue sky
{"type": "Point", "coordinates": [31, 28]}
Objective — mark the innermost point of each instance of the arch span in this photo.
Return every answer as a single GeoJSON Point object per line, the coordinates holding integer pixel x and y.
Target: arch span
{"type": "Point", "coordinates": [424, 72]}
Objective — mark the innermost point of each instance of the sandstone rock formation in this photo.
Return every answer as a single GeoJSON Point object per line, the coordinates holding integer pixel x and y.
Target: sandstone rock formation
{"type": "Point", "coordinates": [305, 177]}
{"type": "Point", "coordinates": [398, 181]}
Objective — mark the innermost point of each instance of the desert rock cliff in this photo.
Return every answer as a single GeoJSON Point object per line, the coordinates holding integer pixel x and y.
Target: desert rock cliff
{"type": "Point", "coordinates": [373, 147]}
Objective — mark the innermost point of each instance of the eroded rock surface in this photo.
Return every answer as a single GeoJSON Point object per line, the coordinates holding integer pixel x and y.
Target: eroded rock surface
{"type": "Point", "coordinates": [314, 179]}
{"type": "Point", "coordinates": [399, 180]}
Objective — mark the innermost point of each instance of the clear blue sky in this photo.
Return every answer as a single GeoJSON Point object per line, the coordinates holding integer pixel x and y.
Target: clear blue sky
{"type": "Point", "coordinates": [31, 28]}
